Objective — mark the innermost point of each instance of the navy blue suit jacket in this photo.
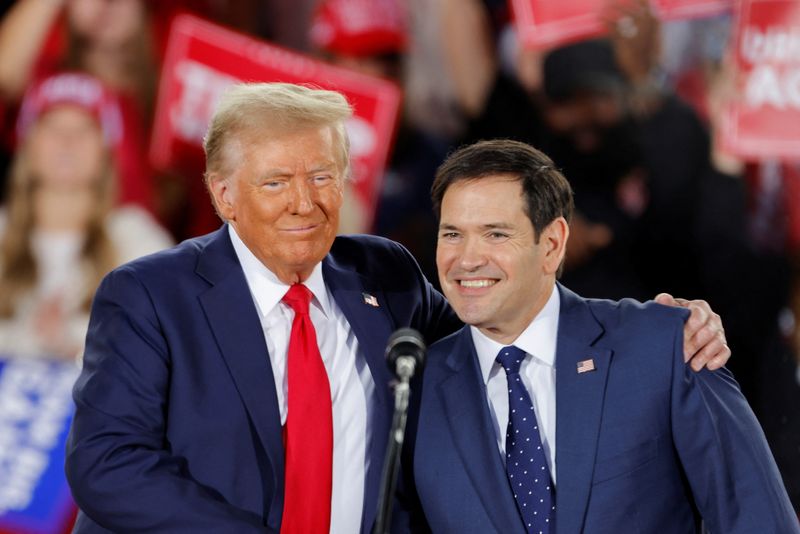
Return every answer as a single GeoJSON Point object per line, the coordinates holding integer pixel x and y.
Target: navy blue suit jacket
{"type": "Point", "coordinates": [177, 427]}
{"type": "Point", "coordinates": [643, 443]}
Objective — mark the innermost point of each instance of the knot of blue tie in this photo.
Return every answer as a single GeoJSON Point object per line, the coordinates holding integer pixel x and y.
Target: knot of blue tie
{"type": "Point", "coordinates": [511, 359]}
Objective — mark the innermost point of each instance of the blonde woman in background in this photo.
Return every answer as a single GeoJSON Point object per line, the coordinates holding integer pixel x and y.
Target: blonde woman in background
{"type": "Point", "coordinates": [59, 232]}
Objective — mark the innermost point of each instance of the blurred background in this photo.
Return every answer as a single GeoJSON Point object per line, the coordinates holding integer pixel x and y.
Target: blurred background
{"type": "Point", "coordinates": [677, 123]}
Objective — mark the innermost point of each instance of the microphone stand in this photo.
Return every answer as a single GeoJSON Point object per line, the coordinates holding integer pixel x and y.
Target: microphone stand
{"type": "Point", "coordinates": [402, 392]}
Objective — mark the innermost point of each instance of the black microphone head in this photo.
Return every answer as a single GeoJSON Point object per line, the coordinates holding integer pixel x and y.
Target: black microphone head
{"type": "Point", "coordinates": [405, 342]}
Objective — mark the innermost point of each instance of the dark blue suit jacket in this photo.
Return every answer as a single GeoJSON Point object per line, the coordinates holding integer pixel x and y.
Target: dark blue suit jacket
{"type": "Point", "coordinates": [643, 443]}
{"type": "Point", "coordinates": [177, 427]}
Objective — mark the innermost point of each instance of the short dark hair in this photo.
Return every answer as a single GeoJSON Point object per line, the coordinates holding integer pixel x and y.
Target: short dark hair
{"type": "Point", "coordinates": [583, 67]}
{"type": "Point", "coordinates": [548, 194]}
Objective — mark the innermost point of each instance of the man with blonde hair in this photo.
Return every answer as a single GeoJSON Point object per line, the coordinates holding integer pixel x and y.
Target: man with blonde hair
{"type": "Point", "coordinates": [236, 383]}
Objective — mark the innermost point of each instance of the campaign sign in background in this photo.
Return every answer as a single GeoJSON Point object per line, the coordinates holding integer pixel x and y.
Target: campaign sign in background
{"type": "Point", "coordinates": [544, 23]}
{"type": "Point", "coordinates": [764, 119]}
{"type": "Point", "coordinates": [36, 410]}
{"type": "Point", "coordinates": [204, 59]}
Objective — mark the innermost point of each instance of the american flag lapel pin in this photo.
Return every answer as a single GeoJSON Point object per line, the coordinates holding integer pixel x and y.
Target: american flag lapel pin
{"type": "Point", "coordinates": [370, 299]}
{"type": "Point", "coordinates": [586, 366]}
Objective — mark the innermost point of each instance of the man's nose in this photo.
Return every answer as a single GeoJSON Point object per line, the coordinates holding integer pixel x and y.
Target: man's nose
{"type": "Point", "coordinates": [472, 254]}
{"type": "Point", "coordinates": [301, 197]}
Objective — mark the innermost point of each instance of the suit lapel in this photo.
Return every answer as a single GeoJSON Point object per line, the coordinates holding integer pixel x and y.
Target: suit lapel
{"type": "Point", "coordinates": [233, 319]}
{"type": "Point", "coordinates": [467, 412]}
{"type": "Point", "coordinates": [372, 326]}
{"type": "Point", "coordinates": [579, 405]}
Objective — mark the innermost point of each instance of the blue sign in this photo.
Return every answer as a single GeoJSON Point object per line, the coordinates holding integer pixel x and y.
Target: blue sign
{"type": "Point", "coordinates": [35, 414]}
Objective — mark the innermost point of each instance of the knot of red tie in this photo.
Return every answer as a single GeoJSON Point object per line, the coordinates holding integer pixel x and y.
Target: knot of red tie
{"type": "Point", "coordinates": [298, 297]}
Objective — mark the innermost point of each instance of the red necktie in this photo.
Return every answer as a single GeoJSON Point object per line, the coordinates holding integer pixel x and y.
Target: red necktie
{"type": "Point", "coordinates": [309, 427]}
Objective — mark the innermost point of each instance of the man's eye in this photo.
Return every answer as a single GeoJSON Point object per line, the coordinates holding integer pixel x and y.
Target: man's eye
{"type": "Point", "coordinates": [497, 235]}
{"type": "Point", "coordinates": [322, 178]}
{"type": "Point", "coordinates": [450, 235]}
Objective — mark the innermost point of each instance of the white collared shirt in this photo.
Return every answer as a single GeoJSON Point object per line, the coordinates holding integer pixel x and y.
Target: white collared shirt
{"type": "Point", "coordinates": [352, 386]}
{"type": "Point", "coordinates": [538, 373]}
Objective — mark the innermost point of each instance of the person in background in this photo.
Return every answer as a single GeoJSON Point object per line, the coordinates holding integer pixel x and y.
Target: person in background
{"type": "Point", "coordinates": [112, 41]}
{"type": "Point", "coordinates": [60, 232]}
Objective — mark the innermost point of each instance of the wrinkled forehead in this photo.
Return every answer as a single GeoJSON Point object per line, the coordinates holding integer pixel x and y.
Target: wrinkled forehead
{"type": "Point", "coordinates": [243, 144]}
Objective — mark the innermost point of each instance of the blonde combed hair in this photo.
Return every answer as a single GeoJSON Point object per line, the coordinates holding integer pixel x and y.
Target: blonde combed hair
{"type": "Point", "coordinates": [18, 269]}
{"type": "Point", "coordinates": [250, 109]}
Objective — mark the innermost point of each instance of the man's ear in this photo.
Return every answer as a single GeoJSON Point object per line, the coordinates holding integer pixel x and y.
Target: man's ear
{"type": "Point", "coordinates": [554, 240]}
{"type": "Point", "coordinates": [222, 194]}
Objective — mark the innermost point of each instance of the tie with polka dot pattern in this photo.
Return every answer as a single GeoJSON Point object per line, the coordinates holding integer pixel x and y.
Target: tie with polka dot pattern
{"type": "Point", "coordinates": [526, 464]}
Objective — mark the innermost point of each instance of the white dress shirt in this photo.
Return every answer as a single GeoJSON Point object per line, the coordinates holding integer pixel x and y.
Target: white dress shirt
{"type": "Point", "coordinates": [352, 386]}
{"type": "Point", "coordinates": [538, 373]}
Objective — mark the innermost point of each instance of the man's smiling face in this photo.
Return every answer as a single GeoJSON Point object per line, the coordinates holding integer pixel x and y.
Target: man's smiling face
{"type": "Point", "coordinates": [491, 268]}
{"type": "Point", "coordinates": [283, 199]}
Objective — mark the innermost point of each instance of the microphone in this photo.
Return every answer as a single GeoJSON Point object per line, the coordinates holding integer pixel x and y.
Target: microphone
{"type": "Point", "coordinates": [405, 351]}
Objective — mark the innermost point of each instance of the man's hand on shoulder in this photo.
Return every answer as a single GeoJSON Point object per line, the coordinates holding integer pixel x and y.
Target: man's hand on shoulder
{"type": "Point", "coordinates": [704, 343]}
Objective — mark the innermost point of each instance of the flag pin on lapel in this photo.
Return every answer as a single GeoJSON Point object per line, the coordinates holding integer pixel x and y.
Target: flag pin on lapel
{"type": "Point", "coordinates": [370, 299]}
{"type": "Point", "coordinates": [585, 366]}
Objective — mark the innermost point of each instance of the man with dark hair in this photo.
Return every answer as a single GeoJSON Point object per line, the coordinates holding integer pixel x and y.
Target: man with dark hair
{"type": "Point", "coordinates": [547, 194]}
{"type": "Point", "coordinates": [553, 413]}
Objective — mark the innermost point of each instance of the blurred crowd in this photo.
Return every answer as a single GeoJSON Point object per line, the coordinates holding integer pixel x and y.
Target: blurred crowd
{"type": "Point", "coordinates": [630, 118]}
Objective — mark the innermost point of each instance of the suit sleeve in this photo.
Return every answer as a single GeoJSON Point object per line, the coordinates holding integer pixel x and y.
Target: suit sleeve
{"type": "Point", "coordinates": [434, 317]}
{"type": "Point", "coordinates": [734, 479]}
{"type": "Point", "coordinates": [118, 463]}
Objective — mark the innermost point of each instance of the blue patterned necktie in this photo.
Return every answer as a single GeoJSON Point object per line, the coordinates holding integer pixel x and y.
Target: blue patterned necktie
{"type": "Point", "coordinates": [526, 463]}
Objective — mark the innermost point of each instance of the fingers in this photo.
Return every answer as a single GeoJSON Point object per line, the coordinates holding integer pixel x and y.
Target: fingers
{"type": "Point", "coordinates": [665, 298]}
{"type": "Point", "coordinates": [704, 338]}
{"type": "Point", "coordinates": [719, 361]}
{"type": "Point", "coordinates": [704, 343]}
{"type": "Point", "coordinates": [713, 355]}
{"type": "Point", "coordinates": [668, 300]}
{"type": "Point", "coordinates": [700, 326]}
{"type": "Point", "coordinates": [694, 343]}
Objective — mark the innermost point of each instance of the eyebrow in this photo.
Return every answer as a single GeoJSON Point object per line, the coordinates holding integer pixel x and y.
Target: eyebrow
{"type": "Point", "coordinates": [498, 226]}
{"type": "Point", "coordinates": [278, 172]}
{"type": "Point", "coordinates": [274, 173]}
{"type": "Point", "coordinates": [488, 226]}
{"type": "Point", "coordinates": [323, 167]}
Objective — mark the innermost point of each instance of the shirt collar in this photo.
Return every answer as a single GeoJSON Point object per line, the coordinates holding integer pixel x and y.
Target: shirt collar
{"type": "Point", "coordinates": [538, 339]}
{"type": "Point", "coordinates": [265, 286]}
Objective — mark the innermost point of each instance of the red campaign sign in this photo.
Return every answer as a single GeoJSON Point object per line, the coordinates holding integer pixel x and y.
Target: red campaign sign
{"type": "Point", "coordinates": [687, 9]}
{"type": "Point", "coordinates": [203, 59]}
{"type": "Point", "coordinates": [544, 23]}
{"type": "Point", "coordinates": [764, 120]}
